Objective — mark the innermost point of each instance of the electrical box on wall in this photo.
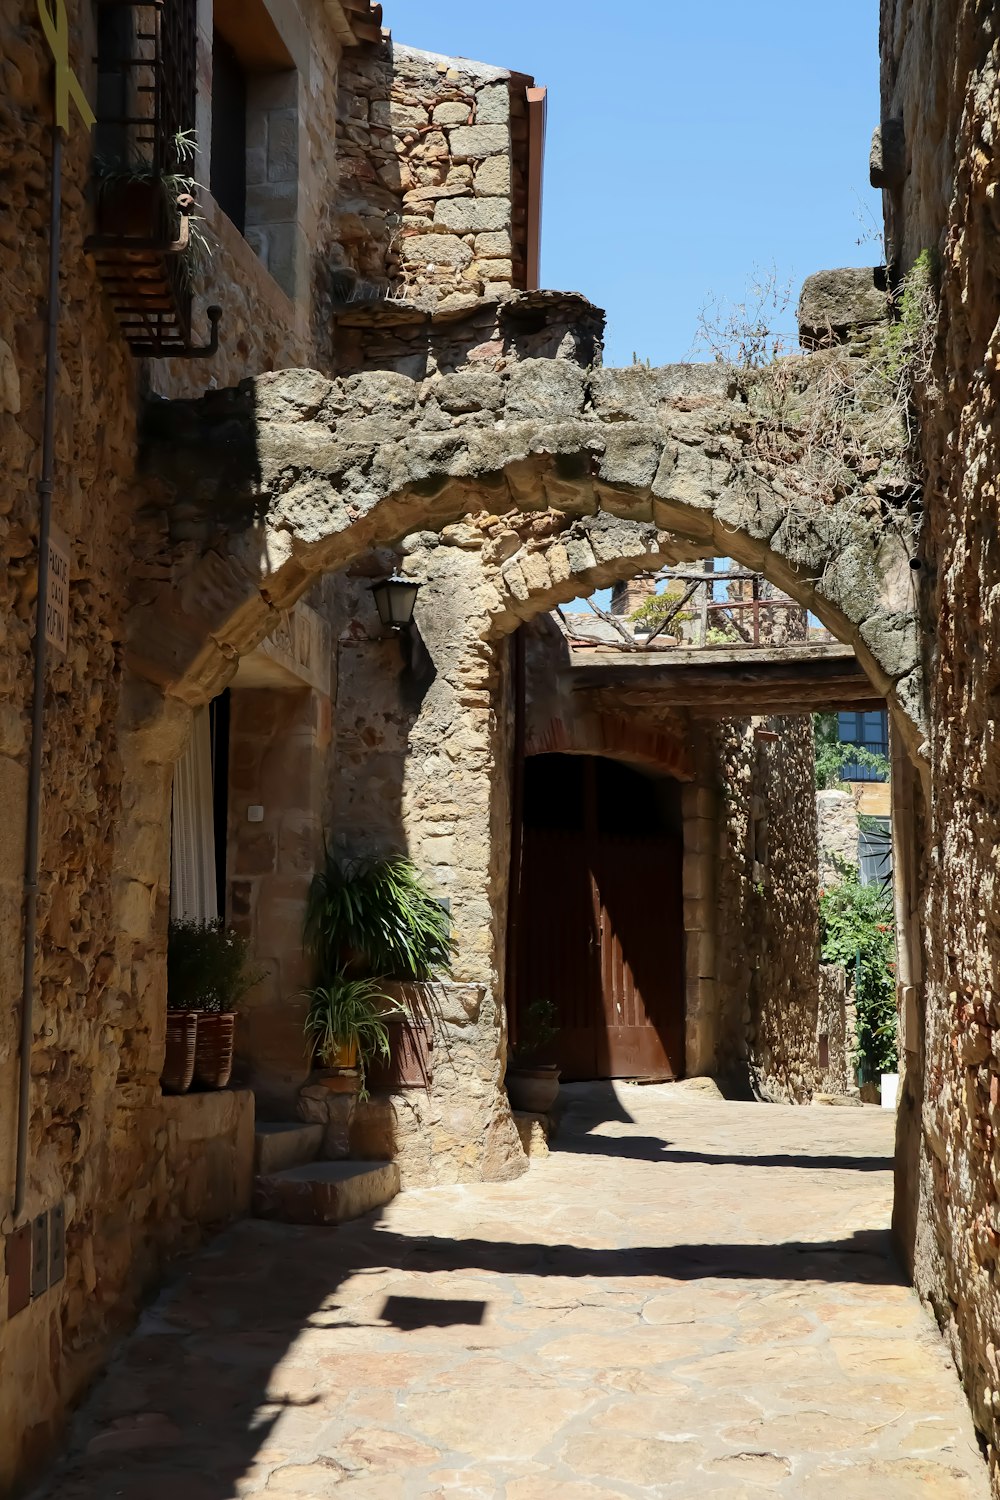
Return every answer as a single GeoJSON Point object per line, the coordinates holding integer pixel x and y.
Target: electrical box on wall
{"type": "Point", "coordinates": [35, 1258]}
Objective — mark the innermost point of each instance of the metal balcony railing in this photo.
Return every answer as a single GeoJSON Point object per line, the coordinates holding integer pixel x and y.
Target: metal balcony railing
{"type": "Point", "coordinates": [711, 610]}
{"type": "Point", "coordinates": [144, 148]}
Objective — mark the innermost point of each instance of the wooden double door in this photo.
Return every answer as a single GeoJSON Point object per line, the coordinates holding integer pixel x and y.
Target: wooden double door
{"type": "Point", "coordinates": [600, 921]}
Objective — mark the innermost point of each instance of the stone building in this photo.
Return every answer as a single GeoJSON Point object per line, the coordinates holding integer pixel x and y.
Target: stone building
{"type": "Point", "coordinates": [390, 382]}
{"type": "Point", "coordinates": [332, 162]}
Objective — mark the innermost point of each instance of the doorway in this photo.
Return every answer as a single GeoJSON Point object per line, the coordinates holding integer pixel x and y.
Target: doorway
{"type": "Point", "coordinates": [601, 922]}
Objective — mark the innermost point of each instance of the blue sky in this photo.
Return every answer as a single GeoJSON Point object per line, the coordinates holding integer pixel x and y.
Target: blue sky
{"type": "Point", "coordinates": [687, 144]}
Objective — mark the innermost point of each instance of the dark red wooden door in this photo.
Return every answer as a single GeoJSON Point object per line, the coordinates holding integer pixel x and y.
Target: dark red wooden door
{"type": "Point", "coordinates": [602, 937]}
{"type": "Point", "coordinates": [637, 902]}
{"type": "Point", "coordinates": [559, 943]}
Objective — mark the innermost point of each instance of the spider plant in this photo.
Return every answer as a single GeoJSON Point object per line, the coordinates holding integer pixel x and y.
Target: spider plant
{"type": "Point", "coordinates": [377, 915]}
{"type": "Point", "coordinates": [115, 173]}
{"type": "Point", "coordinates": [346, 1013]}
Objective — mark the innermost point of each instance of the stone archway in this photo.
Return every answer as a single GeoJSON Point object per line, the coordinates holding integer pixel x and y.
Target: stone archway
{"type": "Point", "coordinates": [293, 475]}
{"type": "Point", "coordinates": [563, 480]}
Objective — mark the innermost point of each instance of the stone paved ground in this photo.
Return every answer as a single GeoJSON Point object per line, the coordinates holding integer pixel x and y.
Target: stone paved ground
{"type": "Point", "coordinates": [691, 1298]}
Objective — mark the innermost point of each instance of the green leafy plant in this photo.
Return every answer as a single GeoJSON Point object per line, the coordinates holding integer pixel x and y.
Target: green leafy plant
{"type": "Point", "coordinates": [832, 755]}
{"type": "Point", "coordinates": [346, 1012]}
{"type": "Point", "coordinates": [659, 607]}
{"type": "Point", "coordinates": [208, 966]}
{"type": "Point", "coordinates": [116, 173]}
{"type": "Point", "coordinates": [857, 929]}
{"type": "Point", "coordinates": [538, 1025]}
{"type": "Point", "coordinates": [376, 916]}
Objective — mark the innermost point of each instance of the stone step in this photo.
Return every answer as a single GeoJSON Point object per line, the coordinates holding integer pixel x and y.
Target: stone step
{"type": "Point", "coordinates": [325, 1192]}
{"type": "Point", "coordinates": [280, 1144]}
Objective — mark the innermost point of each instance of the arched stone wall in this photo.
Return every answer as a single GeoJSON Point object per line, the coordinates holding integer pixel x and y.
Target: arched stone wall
{"type": "Point", "coordinates": [292, 475]}
{"type": "Point", "coordinates": [561, 480]}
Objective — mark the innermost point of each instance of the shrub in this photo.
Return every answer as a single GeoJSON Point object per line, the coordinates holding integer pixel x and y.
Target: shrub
{"type": "Point", "coordinates": [208, 966]}
{"type": "Point", "coordinates": [857, 928]}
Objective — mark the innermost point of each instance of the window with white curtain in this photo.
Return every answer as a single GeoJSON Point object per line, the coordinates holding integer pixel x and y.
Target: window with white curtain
{"type": "Point", "coordinates": [193, 894]}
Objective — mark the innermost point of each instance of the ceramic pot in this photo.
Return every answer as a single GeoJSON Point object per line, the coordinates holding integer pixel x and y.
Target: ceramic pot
{"type": "Point", "coordinates": [533, 1091]}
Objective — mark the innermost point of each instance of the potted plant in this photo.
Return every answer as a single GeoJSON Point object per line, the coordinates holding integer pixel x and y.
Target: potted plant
{"type": "Point", "coordinates": [348, 1023]}
{"type": "Point", "coordinates": [208, 972]}
{"type": "Point", "coordinates": [370, 922]}
{"type": "Point", "coordinates": [138, 201]}
{"type": "Point", "coordinates": [532, 1083]}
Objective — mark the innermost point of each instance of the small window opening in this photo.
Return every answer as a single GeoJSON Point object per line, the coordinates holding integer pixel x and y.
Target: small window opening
{"type": "Point", "coordinates": [255, 134]}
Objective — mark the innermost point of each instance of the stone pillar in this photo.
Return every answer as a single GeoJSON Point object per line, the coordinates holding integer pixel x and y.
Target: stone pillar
{"type": "Point", "coordinates": [423, 769]}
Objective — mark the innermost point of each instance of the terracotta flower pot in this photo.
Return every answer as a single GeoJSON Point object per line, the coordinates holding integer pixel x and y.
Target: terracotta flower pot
{"type": "Point", "coordinates": [178, 1062]}
{"type": "Point", "coordinates": [213, 1061]}
{"type": "Point", "coordinates": [533, 1091]}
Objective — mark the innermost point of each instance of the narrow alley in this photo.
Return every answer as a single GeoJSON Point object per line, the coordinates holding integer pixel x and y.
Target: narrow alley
{"type": "Point", "coordinates": [689, 1297]}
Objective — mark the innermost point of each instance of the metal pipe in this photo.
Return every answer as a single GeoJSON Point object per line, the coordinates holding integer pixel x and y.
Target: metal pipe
{"type": "Point", "coordinates": [32, 836]}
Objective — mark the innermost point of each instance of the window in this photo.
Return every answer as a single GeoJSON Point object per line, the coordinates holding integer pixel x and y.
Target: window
{"type": "Point", "coordinates": [229, 132]}
{"type": "Point", "coordinates": [870, 731]}
{"type": "Point", "coordinates": [255, 134]}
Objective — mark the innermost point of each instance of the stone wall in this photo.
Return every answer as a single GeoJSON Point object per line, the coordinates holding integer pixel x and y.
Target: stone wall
{"type": "Point", "coordinates": [767, 936]}
{"type": "Point", "coordinates": [141, 1176]}
{"type": "Point", "coordinates": [836, 1023]}
{"type": "Point", "coordinates": [837, 819]}
{"type": "Point", "coordinates": [425, 205]}
{"type": "Point", "coordinates": [940, 68]}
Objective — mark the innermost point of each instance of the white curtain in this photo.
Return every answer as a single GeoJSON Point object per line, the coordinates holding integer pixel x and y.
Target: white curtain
{"type": "Point", "coordinates": [192, 869]}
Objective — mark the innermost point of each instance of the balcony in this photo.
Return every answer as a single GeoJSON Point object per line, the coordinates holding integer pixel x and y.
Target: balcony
{"type": "Point", "coordinates": [147, 240]}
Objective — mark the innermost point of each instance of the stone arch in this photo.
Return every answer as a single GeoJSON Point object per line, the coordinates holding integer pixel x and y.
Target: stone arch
{"type": "Point", "coordinates": [615, 739]}
{"type": "Point", "coordinates": [293, 475]}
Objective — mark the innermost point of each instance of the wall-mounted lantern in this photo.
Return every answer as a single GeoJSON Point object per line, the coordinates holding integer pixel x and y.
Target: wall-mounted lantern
{"type": "Point", "coordinates": [394, 600]}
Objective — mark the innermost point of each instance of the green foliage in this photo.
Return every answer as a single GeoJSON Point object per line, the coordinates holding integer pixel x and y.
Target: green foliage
{"type": "Point", "coordinates": [346, 1012]}
{"type": "Point", "coordinates": [654, 610]}
{"type": "Point", "coordinates": [856, 923]}
{"type": "Point", "coordinates": [832, 756]}
{"type": "Point", "coordinates": [904, 345]}
{"type": "Point", "coordinates": [538, 1025]}
{"type": "Point", "coordinates": [114, 172]}
{"type": "Point", "coordinates": [208, 967]}
{"type": "Point", "coordinates": [376, 915]}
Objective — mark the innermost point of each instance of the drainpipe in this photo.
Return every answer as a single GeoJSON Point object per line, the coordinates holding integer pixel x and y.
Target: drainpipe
{"type": "Point", "coordinates": [31, 843]}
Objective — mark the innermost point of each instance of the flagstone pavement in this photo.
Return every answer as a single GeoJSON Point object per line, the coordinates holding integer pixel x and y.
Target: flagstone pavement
{"type": "Point", "coordinates": [690, 1297]}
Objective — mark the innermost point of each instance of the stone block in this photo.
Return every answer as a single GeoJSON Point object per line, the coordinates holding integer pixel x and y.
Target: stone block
{"type": "Point", "coordinates": [494, 246]}
{"type": "Point", "coordinates": [392, 115]}
{"type": "Point", "coordinates": [887, 166]}
{"type": "Point", "coordinates": [282, 146]}
{"type": "Point", "coordinates": [281, 1144]}
{"type": "Point", "coordinates": [473, 215]}
{"type": "Point", "coordinates": [493, 105]}
{"type": "Point", "coordinates": [271, 202]}
{"type": "Point", "coordinates": [428, 250]}
{"type": "Point", "coordinates": [493, 177]}
{"type": "Point", "coordinates": [452, 112]}
{"type": "Point", "coordinates": [478, 141]}
{"type": "Point", "coordinates": [327, 1192]}
{"type": "Point", "coordinates": [533, 1132]}
{"type": "Point", "coordinates": [494, 272]}
{"type": "Point", "coordinates": [833, 302]}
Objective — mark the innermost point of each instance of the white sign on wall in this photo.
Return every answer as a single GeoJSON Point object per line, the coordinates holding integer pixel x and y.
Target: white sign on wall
{"type": "Point", "coordinates": [57, 593]}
